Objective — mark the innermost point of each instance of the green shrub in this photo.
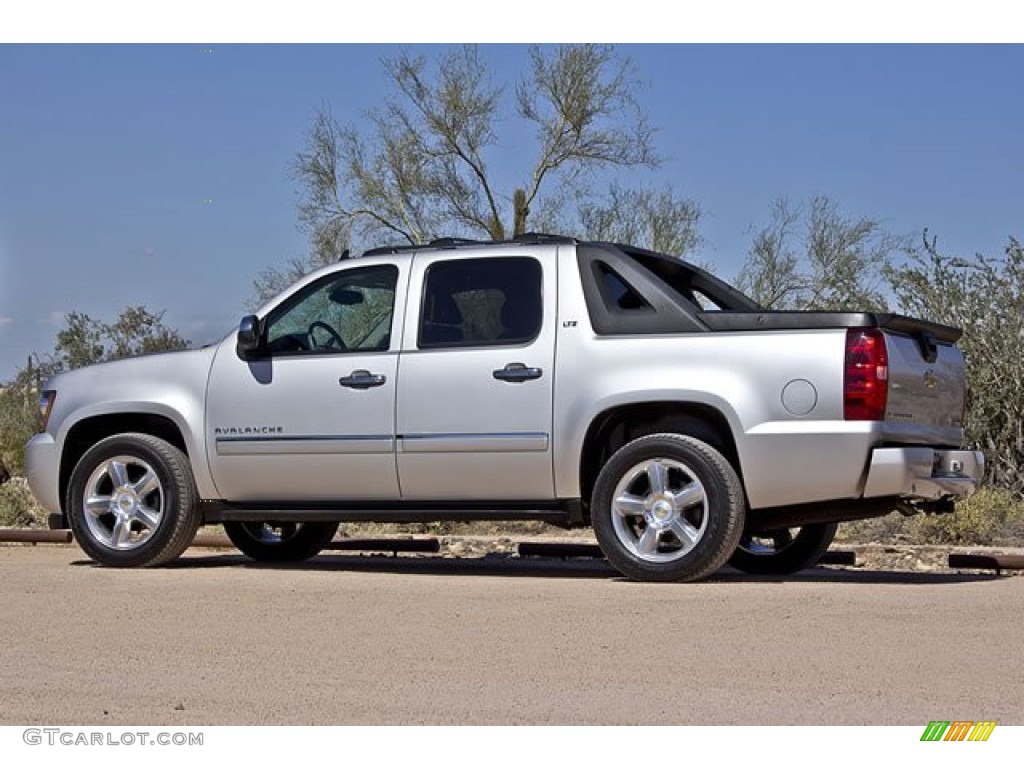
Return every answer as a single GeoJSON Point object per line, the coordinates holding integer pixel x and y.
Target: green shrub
{"type": "Point", "coordinates": [991, 516]}
{"type": "Point", "coordinates": [18, 507]}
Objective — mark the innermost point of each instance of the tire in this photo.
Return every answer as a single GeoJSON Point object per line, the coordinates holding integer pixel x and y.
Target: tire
{"type": "Point", "coordinates": [132, 501]}
{"type": "Point", "coordinates": [280, 542]}
{"type": "Point", "coordinates": [668, 507]}
{"type": "Point", "coordinates": [781, 552]}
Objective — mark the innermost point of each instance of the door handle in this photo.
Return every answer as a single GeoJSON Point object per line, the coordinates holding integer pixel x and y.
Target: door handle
{"type": "Point", "coordinates": [362, 380]}
{"type": "Point", "coordinates": [517, 372]}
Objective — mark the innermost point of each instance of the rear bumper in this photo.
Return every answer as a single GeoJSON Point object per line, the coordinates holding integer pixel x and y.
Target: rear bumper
{"type": "Point", "coordinates": [923, 473]}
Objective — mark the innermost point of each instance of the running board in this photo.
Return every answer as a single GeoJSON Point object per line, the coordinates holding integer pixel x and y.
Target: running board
{"type": "Point", "coordinates": [556, 513]}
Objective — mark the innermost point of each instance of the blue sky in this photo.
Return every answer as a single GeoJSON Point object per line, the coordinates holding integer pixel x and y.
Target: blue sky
{"type": "Point", "coordinates": [108, 152]}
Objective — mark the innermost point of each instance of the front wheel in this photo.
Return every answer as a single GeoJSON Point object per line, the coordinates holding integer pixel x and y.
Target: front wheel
{"type": "Point", "coordinates": [668, 507]}
{"type": "Point", "coordinates": [132, 501]}
{"type": "Point", "coordinates": [280, 542]}
{"type": "Point", "coordinates": [784, 551]}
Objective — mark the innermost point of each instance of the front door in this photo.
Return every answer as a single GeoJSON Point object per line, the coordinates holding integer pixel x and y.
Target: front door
{"type": "Point", "coordinates": [476, 379]}
{"type": "Point", "coordinates": [311, 417]}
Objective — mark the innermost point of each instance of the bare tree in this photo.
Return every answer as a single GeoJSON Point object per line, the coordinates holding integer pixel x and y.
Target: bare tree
{"type": "Point", "coordinates": [847, 257]}
{"type": "Point", "coordinates": [272, 280]}
{"type": "Point", "coordinates": [771, 274]}
{"type": "Point", "coordinates": [817, 258]}
{"type": "Point", "coordinates": [655, 219]}
{"type": "Point", "coordinates": [421, 169]}
{"type": "Point", "coordinates": [581, 100]}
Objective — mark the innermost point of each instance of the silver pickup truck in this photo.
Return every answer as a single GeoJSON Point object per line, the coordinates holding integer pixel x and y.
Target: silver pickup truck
{"type": "Point", "coordinates": [544, 378]}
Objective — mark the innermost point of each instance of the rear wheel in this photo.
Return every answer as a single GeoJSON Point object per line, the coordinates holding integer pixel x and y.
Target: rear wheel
{"type": "Point", "coordinates": [786, 550]}
{"type": "Point", "coordinates": [667, 507]}
{"type": "Point", "coordinates": [280, 542]}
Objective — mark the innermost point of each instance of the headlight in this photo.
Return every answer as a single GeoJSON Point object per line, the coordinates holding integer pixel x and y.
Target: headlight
{"type": "Point", "coordinates": [46, 398]}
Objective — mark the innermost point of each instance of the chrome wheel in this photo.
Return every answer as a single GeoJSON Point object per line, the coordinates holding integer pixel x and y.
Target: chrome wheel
{"type": "Point", "coordinates": [276, 541]}
{"type": "Point", "coordinates": [132, 501]}
{"type": "Point", "coordinates": [783, 550]}
{"type": "Point", "coordinates": [123, 503]}
{"type": "Point", "coordinates": [659, 510]}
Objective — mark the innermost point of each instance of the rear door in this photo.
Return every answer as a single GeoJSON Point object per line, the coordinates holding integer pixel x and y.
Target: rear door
{"type": "Point", "coordinates": [476, 378]}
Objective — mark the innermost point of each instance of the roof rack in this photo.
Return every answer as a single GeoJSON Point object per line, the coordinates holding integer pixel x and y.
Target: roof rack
{"type": "Point", "coordinates": [385, 249]}
{"type": "Point", "coordinates": [543, 237]}
{"type": "Point", "coordinates": [535, 238]}
{"type": "Point", "coordinates": [452, 242]}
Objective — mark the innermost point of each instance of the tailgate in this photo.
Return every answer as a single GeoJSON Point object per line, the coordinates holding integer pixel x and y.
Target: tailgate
{"type": "Point", "coordinates": [927, 379]}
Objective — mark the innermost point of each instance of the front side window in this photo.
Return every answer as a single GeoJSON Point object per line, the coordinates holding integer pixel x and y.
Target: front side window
{"type": "Point", "coordinates": [350, 311]}
{"type": "Point", "coordinates": [481, 302]}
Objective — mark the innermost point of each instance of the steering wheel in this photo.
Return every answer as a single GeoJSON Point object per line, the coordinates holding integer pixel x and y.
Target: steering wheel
{"type": "Point", "coordinates": [335, 342]}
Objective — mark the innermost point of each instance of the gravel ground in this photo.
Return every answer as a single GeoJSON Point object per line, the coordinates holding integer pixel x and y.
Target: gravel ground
{"type": "Point", "coordinates": [348, 639]}
{"type": "Point", "coordinates": [870, 556]}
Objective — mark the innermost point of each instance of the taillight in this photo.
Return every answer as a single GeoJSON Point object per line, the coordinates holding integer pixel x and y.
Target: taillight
{"type": "Point", "coordinates": [866, 376]}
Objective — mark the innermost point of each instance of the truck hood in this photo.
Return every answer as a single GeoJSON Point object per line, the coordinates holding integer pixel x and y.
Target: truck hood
{"type": "Point", "coordinates": [170, 384]}
{"type": "Point", "coordinates": [140, 368]}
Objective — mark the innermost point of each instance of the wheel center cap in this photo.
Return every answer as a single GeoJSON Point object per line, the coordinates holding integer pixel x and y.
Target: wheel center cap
{"type": "Point", "coordinates": [661, 510]}
{"type": "Point", "coordinates": [126, 502]}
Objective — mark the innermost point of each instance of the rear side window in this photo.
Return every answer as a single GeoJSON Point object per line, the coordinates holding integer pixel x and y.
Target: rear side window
{"type": "Point", "coordinates": [617, 292]}
{"type": "Point", "coordinates": [481, 302]}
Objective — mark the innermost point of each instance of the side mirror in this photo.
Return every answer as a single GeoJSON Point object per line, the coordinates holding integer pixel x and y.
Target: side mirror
{"type": "Point", "coordinates": [249, 334]}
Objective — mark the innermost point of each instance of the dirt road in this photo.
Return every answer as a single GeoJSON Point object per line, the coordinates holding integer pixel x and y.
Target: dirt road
{"type": "Point", "coordinates": [344, 640]}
